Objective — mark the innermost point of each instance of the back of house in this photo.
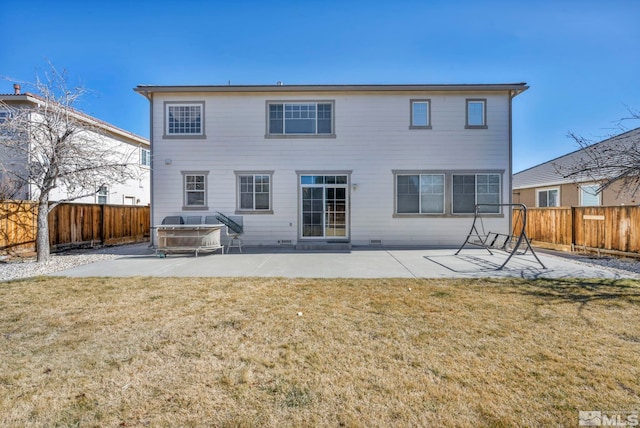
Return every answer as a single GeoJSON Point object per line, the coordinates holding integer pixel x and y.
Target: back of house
{"type": "Point", "coordinates": [319, 164]}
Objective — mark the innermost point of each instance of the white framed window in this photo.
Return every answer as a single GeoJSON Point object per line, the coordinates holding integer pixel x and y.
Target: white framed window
{"type": "Point", "coordinates": [476, 114]}
{"type": "Point", "coordinates": [254, 191]}
{"type": "Point", "coordinates": [103, 195]}
{"type": "Point", "coordinates": [548, 198]}
{"type": "Point", "coordinates": [145, 157]}
{"type": "Point", "coordinates": [300, 118]}
{"type": "Point", "coordinates": [195, 189]}
{"type": "Point", "coordinates": [5, 115]}
{"type": "Point", "coordinates": [420, 114]}
{"type": "Point", "coordinates": [589, 196]}
{"type": "Point", "coordinates": [420, 193]}
{"type": "Point", "coordinates": [468, 190]}
{"type": "Point", "coordinates": [184, 119]}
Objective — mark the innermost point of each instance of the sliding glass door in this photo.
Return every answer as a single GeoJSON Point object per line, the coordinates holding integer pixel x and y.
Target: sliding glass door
{"type": "Point", "coordinates": [324, 207]}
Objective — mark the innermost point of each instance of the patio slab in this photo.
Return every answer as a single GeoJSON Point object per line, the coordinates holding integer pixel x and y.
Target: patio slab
{"type": "Point", "coordinates": [365, 262]}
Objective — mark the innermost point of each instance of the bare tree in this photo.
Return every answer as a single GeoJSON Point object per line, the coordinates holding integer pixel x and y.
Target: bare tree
{"type": "Point", "coordinates": [615, 160]}
{"type": "Point", "coordinates": [47, 144]}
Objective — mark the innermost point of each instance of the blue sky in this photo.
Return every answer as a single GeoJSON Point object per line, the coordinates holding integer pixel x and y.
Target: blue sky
{"type": "Point", "coordinates": [581, 58]}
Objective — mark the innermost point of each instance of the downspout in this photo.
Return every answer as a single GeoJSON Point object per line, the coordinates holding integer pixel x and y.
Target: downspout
{"type": "Point", "coordinates": [512, 95]}
{"type": "Point", "coordinates": [149, 96]}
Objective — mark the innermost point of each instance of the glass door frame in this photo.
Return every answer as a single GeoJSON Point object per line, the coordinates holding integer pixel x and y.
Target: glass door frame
{"type": "Point", "coordinates": [324, 186]}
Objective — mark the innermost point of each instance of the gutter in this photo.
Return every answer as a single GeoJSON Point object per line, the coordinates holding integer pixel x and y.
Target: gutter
{"type": "Point", "coordinates": [513, 88]}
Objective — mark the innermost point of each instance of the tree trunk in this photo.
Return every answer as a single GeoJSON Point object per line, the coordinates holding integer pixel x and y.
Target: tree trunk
{"type": "Point", "coordinates": [42, 235]}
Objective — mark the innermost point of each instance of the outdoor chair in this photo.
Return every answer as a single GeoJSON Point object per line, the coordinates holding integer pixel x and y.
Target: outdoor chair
{"type": "Point", "coordinates": [234, 235]}
{"type": "Point", "coordinates": [211, 219]}
{"type": "Point", "coordinates": [194, 219]}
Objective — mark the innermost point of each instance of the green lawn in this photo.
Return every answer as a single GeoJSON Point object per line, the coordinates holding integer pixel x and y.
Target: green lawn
{"type": "Point", "coordinates": [245, 352]}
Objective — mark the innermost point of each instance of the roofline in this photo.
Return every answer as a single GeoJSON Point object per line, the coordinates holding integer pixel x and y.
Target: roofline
{"type": "Point", "coordinates": [579, 150]}
{"type": "Point", "coordinates": [517, 88]}
{"type": "Point", "coordinates": [36, 99]}
{"type": "Point", "coordinates": [549, 184]}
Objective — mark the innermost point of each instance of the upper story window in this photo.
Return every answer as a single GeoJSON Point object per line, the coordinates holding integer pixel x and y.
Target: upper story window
{"type": "Point", "coordinates": [145, 157]}
{"type": "Point", "coordinates": [184, 119]}
{"type": "Point", "coordinates": [5, 115]}
{"type": "Point", "coordinates": [305, 118]}
{"type": "Point", "coordinates": [548, 198]}
{"type": "Point", "coordinates": [476, 114]}
{"type": "Point", "coordinates": [420, 114]}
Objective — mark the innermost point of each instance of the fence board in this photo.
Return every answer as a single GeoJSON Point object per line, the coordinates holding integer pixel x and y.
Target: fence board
{"type": "Point", "coordinates": [17, 225]}
{"type": "Point", "coordinates": [552, 225]}
{"type": "Point", "coordinates": [615, 228]}
{"type": "Point", "coordinates": [73, 225]}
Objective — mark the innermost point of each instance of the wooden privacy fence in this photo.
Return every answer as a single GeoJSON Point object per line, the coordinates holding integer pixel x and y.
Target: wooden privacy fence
{"type": "Point", "coordinates": [73, 225]}
{"type": "Point", "coordinates": [607, 229]}
{"type": "Point", "coordinates": [18, 225]}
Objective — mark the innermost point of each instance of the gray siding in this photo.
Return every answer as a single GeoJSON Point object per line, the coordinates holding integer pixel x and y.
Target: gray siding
{"type": "Point", "coordinates": [372, 140]}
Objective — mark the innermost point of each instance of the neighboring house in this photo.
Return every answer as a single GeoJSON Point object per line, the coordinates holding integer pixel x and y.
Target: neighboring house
{"type": "Point", "coordinates": [133, 192]}
{"type": "Point", "coordinates": [543, 186]}
{"type": "Point", "coordinates": [318, 164]}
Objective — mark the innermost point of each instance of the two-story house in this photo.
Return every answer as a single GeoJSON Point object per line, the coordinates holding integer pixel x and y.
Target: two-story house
{"type": "Point", "coordinates": [315, 164]}
{"type": "Point", "coordinates": [134, 191]}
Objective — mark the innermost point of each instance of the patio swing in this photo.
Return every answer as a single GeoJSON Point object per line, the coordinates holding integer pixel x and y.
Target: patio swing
{"type": "Point", "coordinates": [510, 243]}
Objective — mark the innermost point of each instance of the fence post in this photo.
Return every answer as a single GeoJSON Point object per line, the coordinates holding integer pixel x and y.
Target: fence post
{"type": "Point", "coordinates": [573, 228]}
{"type": "Point", "coordinates": [101, 224]}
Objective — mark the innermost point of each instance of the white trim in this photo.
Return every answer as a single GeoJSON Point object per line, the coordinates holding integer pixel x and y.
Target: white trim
{"type": "Point", "coordinates": [254, 210]}
{"type": "Point", "coordinates": [205, 191]}
{"type": "Point", "coordinates": [538, 191]}
{"type": "Point", "coordinates": [169, 104]}
{"type": "Point", "coordinates": [581, 192]}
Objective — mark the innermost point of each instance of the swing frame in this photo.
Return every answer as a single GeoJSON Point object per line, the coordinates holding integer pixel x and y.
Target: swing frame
{"type": "Point", "coordinates": [500, 241]}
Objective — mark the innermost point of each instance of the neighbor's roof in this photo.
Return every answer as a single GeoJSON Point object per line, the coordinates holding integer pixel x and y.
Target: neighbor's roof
{"type": "Point", "coordinates": [546, 173]}
{"type": "Point", "coordinates": [517, 88]}
{"type": "Point", "coordinates": [36, 99]}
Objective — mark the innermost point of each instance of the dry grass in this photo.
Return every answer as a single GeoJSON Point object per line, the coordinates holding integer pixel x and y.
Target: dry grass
{"type": "Point", "coordinates": [234, 352]}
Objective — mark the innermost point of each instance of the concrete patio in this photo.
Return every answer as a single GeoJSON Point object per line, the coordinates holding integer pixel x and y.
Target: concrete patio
{"type": "Point", "coordinates": [364, 262]}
